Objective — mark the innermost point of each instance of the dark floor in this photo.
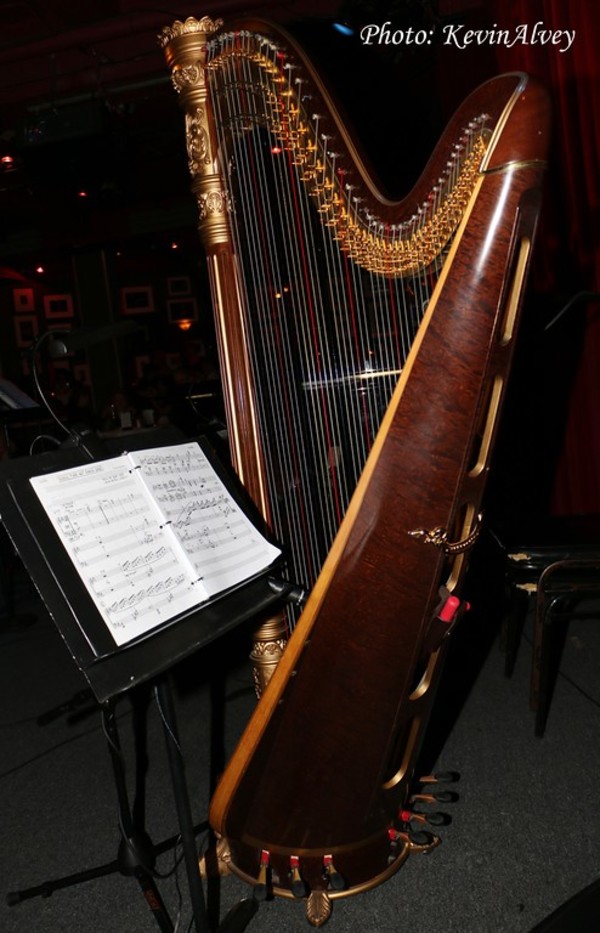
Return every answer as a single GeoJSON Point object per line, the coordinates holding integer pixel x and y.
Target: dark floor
{"type": "Point", "coordinates": [524, 836]}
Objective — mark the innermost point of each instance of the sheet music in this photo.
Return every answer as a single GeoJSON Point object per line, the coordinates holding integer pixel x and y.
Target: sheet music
{"type": "Point", "coordinates": [221, 543]}
{"type": "Point", "coordinates": [111, 531]}
{"type": "Point", "coordinates": [151, 534]}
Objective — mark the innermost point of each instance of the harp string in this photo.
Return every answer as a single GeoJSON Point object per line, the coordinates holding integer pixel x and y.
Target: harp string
{"type": "Point", "coordinates": [251, 165]}
{"type": "Point", "coordinates": [328, 332]}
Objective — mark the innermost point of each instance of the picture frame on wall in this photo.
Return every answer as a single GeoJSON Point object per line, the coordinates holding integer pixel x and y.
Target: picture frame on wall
{"type": "Point", "coordinates": [179, 285]}
{"type": "Point", "coordinates": [26, 330]}
{"type": "Point", "coordinates": [58, 306]}
{"type": "Point", "coordinates": [23, 300]}
{"type": "Point", "coordinates": [137, 299]}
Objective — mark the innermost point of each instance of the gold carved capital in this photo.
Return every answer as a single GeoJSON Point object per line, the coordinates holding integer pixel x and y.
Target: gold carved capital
{"type": "Point", "coordinates": [191, 26]}
{"type": "Point", "coordinates": [185, 48]}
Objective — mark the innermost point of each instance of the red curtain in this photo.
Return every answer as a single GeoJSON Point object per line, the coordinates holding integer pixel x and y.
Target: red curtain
{"type": "Point", "coordinates": [569, 242]}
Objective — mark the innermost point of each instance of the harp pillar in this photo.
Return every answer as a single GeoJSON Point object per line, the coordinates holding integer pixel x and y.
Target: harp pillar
{"type": "Point", "coordinates": [185, 47]}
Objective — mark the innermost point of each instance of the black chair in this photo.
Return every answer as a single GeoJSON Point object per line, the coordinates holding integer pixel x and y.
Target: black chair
{"type": "Point", "coordinates": [558, 578]}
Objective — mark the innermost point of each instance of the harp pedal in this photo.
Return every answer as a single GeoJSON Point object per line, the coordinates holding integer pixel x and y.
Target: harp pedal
{"type": "Point", "coordinates": [336, 881]}
{"type": "Point", "coordinates": [419, 841]}
{"type": "Point", "coordinates": [433, 819]}
{"type": "Point", "coordinates": [263, 882]}
{"type": "Point", "coordinates": [442, 796]}
{"type": "Point", "coordinates": [423, 841]}
{"type": "Point", "coordinates": [299, 886]}
{"type": "Point", "coordinates": [441, 777]}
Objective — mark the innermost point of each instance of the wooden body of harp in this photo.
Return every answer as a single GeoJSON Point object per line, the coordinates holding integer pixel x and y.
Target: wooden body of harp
{"type": "Point", "coordinates": [323, 771]}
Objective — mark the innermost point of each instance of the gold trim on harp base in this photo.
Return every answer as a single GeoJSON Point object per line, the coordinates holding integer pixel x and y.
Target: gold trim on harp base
{"type": "Point", "coordinates": [319, 901]}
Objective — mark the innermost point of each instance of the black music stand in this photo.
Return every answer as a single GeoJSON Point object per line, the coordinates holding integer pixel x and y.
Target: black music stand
{"type": "Point", "coordinates": [113, 671]}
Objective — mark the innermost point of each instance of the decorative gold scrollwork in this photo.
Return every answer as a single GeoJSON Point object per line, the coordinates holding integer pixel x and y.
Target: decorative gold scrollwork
{"type": "Point", "coordinates": [438, 537]}
{"type": "Point", "coordinates": [197, 138]}
{"type": "Point", "coordinates": [318, 908]}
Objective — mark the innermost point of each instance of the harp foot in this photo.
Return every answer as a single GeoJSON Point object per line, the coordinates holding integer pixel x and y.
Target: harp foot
{"type": "Point", "coordinates": [217, 861]}
{"type": "Point", "coordinates": [318, 908]}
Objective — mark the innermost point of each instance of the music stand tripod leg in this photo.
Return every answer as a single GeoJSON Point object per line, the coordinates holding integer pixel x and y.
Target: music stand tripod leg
{"type": "Point", "coordinates": [136, 854]}
{"type": "Point", "coordinates": [182, 802]}
{"type": "Point", "coordinates": [240, 915]}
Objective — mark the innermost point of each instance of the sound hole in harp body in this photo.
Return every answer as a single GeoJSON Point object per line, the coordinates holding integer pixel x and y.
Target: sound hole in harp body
{"type": "Point", "coordinates": [402, 753]}
{"type": "Point", "coordinates": [485, 432]}
{"type": "Point", "coordinates": [407, 736]}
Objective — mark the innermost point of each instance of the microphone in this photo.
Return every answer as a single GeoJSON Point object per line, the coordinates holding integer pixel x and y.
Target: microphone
{"type": "Point", "coordinates": [292, 592]}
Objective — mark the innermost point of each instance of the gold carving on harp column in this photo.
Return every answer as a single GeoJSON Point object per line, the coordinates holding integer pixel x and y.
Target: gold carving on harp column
{"type": "Point", "coordinates": [267, 650]}
{"type": "Point", "coordinates": [185, 46]}
{"type": "Point", "coordinates": [198, 147]}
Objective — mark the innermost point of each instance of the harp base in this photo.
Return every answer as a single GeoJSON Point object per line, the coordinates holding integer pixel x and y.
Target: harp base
{"type": "Point", "coordinates": [319, 901]}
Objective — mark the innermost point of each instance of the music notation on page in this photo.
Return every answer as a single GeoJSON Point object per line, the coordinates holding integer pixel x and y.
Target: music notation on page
{"type": "Point", "coordinates": [152, 534]}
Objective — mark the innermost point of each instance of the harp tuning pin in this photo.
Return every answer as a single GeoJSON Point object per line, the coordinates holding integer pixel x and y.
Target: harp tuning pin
{"type": "Point", "coordinates": [262, 882]}
{"type": "Point", "coordinates": [336, 881]}
{"type": "Point", "coordinates": [298, 886]}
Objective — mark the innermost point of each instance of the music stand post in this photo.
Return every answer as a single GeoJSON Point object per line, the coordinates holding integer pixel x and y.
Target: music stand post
{"type": "Point", "coordinates": [113, 671]}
